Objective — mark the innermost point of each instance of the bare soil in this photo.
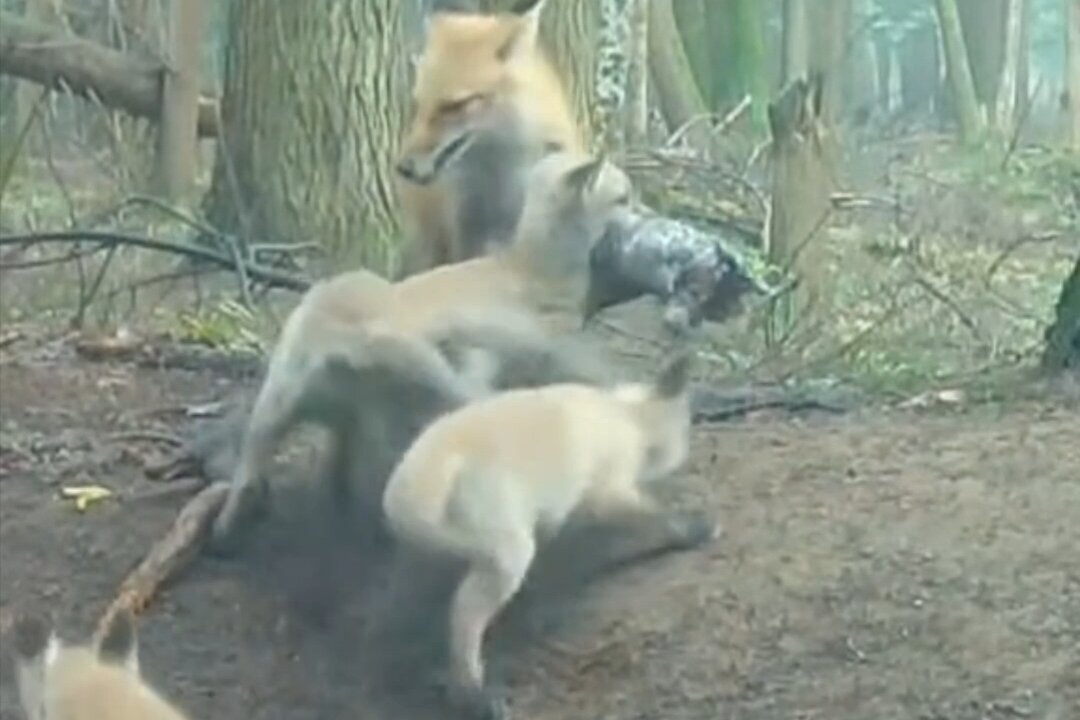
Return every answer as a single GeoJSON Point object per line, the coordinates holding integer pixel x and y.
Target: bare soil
{"type": "Point", "coordinates": [878, 565]}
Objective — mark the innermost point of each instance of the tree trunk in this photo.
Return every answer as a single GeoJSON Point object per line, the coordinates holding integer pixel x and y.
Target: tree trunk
{"type": "Point", "coordinates": [27, 93]}
{"type": "Point", "coordinates": [612, 72]}
{"type": "Point", "coordinates": [964, 100]}
{"type": "Point", "coordinates": [177, 148]}
{"type": "Point", "coordinates": [692, 28]}
{"type": "Point", "coordinates": [983, 25]}
{"type": "Point", "coordinates": [920, 70]}
{"type": "Point", "coordinates": [313, 104]}
{"type": "Point", "coordinates": [676, 92]}
{"type": "Point", "coordinates": [801, 187]}
{"type": "Point", "coordinates": [637, 76]}
{"type": "Point", "coordinates": [1072, 70]}
{"type": "Point", "coordinates": [1063, 337]}
{"type": "Point", "coordinates": [830, 21]}
{"type": "Point", "coordinates": [1005, 114]}
{"type": "Point", "coordinates": [795, 45]}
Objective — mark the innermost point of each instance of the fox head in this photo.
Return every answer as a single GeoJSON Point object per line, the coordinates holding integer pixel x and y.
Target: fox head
{"type": "Point", "coordinates": [467, 80]}
{"type": "Point", "coordinates": [43, 661]}
{"type": "Point", "coordinates": [663, 410]}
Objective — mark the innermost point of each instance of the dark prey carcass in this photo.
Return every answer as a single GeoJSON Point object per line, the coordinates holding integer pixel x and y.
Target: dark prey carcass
{"type": "Point", "coordinates": [696, 274]}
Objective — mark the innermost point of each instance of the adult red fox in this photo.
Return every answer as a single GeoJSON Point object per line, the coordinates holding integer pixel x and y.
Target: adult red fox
{"type": "Point", "coordinates": [483, 74]}
{"type": "Point", "coordinates": [65, 682]}
{"type": "Point", "coordinates": [354, 337]}
{"type": "Point", "coordinates": [483, 483]}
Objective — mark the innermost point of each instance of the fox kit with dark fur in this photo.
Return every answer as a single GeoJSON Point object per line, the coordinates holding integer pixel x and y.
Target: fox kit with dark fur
{"type": "Point", "coordinates": [485, 482]}
{"type": "Point", "coordinates": [64, 682]}
{"type": "Point", "coordinates": [482, 74]}
{"type": "Point", "coordinates": [356, 331]}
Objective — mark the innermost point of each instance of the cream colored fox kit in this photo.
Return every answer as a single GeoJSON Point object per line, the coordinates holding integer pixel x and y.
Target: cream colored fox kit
{"type": "Point", "coordinates": [62, 682]}
{"type": "Point", "coordinates": [357, 330]}
{"type": "Point", "coordinates": [485, 482]}
{"type": "Point", "coordinates": [483, 74]}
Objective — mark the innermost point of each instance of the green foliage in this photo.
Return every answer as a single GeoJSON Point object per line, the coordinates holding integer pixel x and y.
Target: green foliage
{"type": "Point", "coordinates": [227, 325]}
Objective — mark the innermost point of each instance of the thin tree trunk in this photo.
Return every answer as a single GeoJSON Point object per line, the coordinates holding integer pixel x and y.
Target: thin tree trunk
{"type": "Point", "coordinates": [830, 21]}
{"type": "Point", "coordinates": [964, 100]}
{"type": "Point", "coordinates": [796, 47]}
{"type": "Point", "coordinates": [313, 103]}
{"type": "Point", "coordinates": [676, 92]}
{"type": "Point", "coordinates": [177, 148]}
{"type": "Point", "coordinates": [612, 72]}
{"type": "Point", "coordinates": [637, 72]}
{"type": "Point", "coordinates": [1072, 70]}
{"type": "Point", "coordinates": [1006, 97]}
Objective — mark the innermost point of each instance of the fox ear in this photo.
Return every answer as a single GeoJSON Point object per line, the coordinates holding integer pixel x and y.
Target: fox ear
{"type": "Point", "coordinates": [675, 377]}
{"type": "Point", "coordinates": [584, 176]}
{"type": "Point", "coordinates": [119, 645]}
{"type": "Point", "coordinates": [526, 29]}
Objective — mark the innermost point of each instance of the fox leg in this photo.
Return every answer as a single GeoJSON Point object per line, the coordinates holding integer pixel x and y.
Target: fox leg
{"type": "Point", "coordinates": [273, 414]}
{"type": "Point", "coordinates": [487, 587]}
{"type": "Point", "coordinates": [639, 529]}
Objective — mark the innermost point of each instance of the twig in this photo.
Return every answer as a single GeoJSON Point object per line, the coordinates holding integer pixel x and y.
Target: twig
{"type": "Point", "coordinates": [45, 262]}
{"type": "Point", "coordinates": [1013, 247]}
{"type": "Point", "coordinates": [1020, 124]}
{"type": "Point", "coordinates": [948, 302]}
{"type": "Point", "coordinates": [271, 277]}
{"type": "Point", "coordinates": [146, 436]}
{"type": "Point", "coordinates": [169, 556]}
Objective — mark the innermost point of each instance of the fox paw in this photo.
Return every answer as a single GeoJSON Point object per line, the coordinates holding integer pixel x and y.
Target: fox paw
{"type": "Point", "coordinates": [693, 529]}
{"type": "Point", "coordinates": [479, 704]}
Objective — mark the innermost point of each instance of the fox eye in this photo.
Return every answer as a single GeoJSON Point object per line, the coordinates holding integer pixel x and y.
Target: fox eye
{"type": "Point", "coordinates": [457, 107]}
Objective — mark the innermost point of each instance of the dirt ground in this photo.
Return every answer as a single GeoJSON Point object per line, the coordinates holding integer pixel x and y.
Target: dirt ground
{"type": "Point", "coordinates": [880, 564]}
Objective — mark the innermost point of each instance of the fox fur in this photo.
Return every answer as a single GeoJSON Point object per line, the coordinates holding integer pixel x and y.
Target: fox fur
{"type": "Point", "coordinates": [487, 75]}
{"type": "Point", "coordinates": [82, 682]}
{"type": "Point", "coordinates": [484, 483]}
{"type": "Point", "coordinates": [354, 335]}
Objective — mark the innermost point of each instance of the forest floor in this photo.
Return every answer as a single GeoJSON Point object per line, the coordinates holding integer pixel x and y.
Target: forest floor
{"type": "Point", "coordinates": [881, 564]}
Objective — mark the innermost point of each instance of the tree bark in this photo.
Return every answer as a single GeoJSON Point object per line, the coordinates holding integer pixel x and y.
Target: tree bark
{"type": "Point", "coordinates": [796, 47]}
{"type": "Point", "coordinates": [920, 70]}
{"type": "Point", "coordinates": [58, 60]}
{"type": "Point", "coordinates": [964, 100]}
{"type": "Point", "coordinates": [983, 25]}
{"type": "Point", "coordinates": [801, 188]}
{"type": "Point", "coordinates": [676, 92]}
{"type": "Point", "coordinates": [612, 72]}
{"type": "Point", "coordinates": [1072, 70]}
{"type": "Point", "coordinates": [313, 103]}
{"type": "Point", "coordinates": [1005, 112]}
{"type": "Point", "coordinates": [1063, 337]}
{"type": "Point", "coordinates": [177, 134]}
{"type": "Point", "coordinates": [637, 76]}
{"type": "Point", "coordinates": [830, 21]}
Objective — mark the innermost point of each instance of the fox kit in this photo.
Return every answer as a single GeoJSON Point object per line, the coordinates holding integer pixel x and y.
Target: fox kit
{"type": "Point", "coordinates": [484, 74]}
{"type": "Point", "coordinates": [60, 682]}
{"type": "Point", "coordinates": [353, 336]}
{"type": "Point", "coordinates": [484, 483]}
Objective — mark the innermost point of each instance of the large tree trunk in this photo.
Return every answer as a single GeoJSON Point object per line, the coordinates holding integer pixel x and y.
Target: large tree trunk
{"type": "Point", "coordinates": [1072, 70]}
{"type": "Point", "coordinates": [177, 133]}
{"type": "Point", "coordinates": [796, 42]}
{"type": "Point", "coordinates": [313, 104]}
{"type": "Point", "coordinates": [964, 101]}
{"type": "Point", "coordinates": [1063, 337]}
{"type": "Point", "coordinates": [983, 25]}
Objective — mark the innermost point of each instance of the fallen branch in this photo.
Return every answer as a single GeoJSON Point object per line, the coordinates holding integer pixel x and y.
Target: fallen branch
{"type": "Point", "coordinates": [271, 277]}
{"type": "Point", "coordinates": [169, 556]}
{"type": "Point", "coordinates": [59, 60]}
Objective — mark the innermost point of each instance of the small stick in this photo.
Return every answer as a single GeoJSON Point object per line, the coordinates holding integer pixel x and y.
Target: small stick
{"type": "Point", "coordinates": [169, 556]}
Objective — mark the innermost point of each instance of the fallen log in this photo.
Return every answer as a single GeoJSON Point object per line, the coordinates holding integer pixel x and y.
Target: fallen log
{"type": "Point", "coordinates": [52, 57]}
{"type": "Point", "coordinates": [169, 556]}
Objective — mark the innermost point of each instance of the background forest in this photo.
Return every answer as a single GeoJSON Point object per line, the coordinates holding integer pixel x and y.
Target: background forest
{"type": "Point", "coordinates": [894, 454]}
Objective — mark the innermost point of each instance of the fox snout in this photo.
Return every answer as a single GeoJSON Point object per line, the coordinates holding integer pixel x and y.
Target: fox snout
{"type": "Point", "coordinates": [424, 168]}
